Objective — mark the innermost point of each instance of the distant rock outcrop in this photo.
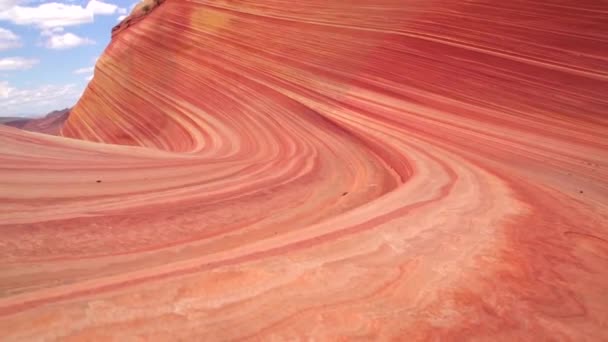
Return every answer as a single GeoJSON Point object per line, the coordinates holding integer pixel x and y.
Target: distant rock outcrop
{"type": "Point", "coordinates": [49, 124]}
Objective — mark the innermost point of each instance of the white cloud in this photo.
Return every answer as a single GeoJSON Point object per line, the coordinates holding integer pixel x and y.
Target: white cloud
{"type": "Point", "coordinates": [121, 17]}
{"type": "Point", "coordinates": [48, 15]}
{"type": "Point", "coordinates": [5, 90]}
{"type": "Point", "coordinates": [53, 14]}
{"type": "Point", "coordinates": [17, 63]}
{"type": "Point", "coordinates": [66, 41]}
{"type": "Point", "coordinates": [99, 7]}
{"type": "Point", "coordinates": [51, 31]}
{"type": "Point", "coordinates": [8, 40]}
{"type": "Point", "coordinates": [37, 100]}
{"type": "Point", "coordinates": [122, 10]}
{"type": "Point", "coordinates": [7, 4]}
{"type": "Point", "coordinates": [86, 70]}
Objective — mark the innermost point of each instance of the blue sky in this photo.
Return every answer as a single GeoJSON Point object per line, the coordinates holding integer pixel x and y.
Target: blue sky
{"type": "Point", "coordinates": [48, 50]}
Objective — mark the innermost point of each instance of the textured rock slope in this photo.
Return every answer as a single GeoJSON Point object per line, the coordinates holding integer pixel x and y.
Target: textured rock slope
{"type": "Point", "coordinates": [367, 169]}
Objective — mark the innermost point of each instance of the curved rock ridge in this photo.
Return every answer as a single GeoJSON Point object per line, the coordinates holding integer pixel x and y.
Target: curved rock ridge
{"type": "Point", "coordinates": [334, 170]}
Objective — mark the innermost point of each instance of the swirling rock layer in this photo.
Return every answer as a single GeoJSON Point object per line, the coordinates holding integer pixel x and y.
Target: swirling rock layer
{"type": "Point", "coordinates": [366, 169]}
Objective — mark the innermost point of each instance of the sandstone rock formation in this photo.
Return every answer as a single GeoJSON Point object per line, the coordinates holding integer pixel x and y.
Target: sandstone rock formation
{"type": "Point", "coordinates": [336, 170]}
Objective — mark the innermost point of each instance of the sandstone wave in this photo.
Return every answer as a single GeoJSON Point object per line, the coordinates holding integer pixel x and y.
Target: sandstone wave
{"type": "Point", "coordinates": [368, 169]}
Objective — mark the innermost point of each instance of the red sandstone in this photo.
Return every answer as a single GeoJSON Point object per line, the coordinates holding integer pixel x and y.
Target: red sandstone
{"type": "Point", "coordinates": [332, 170]}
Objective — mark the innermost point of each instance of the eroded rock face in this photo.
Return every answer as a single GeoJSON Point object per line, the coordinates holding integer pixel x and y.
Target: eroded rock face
{"type": "Point", "coordinates": [409, 170]}
{"type": "Point", "coordinates": [138, 13]}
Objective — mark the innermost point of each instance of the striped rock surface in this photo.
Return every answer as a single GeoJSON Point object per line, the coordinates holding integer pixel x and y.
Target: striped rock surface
{"type": "Point", "coordinates": [335, 170]}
